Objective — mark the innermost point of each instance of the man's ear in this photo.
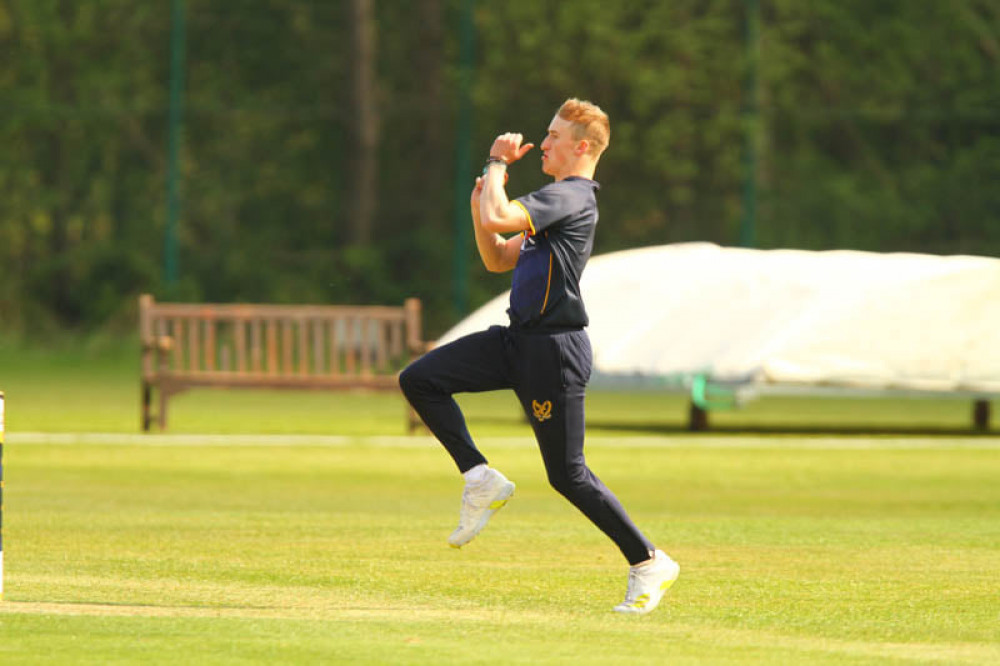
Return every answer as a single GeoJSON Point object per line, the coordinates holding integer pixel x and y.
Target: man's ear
{"type": "Point", "coordinates": [581, 148]}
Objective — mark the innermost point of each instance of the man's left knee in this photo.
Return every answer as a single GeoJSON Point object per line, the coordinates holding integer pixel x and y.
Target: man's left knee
{"type": "Point", "coordinates": [410, 379]}
{"type": "Point", "coordinates": [569, 479]}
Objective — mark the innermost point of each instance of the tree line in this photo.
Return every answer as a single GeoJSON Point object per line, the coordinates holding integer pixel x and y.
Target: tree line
{"type": "Point", "coordinates": [324, 153]}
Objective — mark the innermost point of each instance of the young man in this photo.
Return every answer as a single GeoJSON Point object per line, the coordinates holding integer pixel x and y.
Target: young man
{"type": "Point", "coordinates": [544, 355]}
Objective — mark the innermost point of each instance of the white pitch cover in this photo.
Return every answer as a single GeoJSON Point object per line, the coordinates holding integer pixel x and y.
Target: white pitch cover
{"type": "Point", "coordinates": [789, 318]}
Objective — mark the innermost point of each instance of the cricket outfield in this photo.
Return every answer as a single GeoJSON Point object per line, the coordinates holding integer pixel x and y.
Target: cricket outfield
{"type": "Point", "coordinates": [822, 550]}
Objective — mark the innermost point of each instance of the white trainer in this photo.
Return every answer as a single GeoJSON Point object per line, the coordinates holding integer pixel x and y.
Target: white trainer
{"type": "Point", "coordinates": [479, 502]}
{"type": "Point", "coordinates": [647, 582]}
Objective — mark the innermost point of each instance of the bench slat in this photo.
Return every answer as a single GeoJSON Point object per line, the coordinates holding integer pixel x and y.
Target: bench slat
{"type": "Point", "coordinates": [303, 347]}
{"type": "Point", "coordinates": [264, 380]}
{"type": "Point", "coordinates": [396, 339]}
{"type": "Point", "coordinates": [349, 348]}
{"type": "Point", "coordinates": [312, 346]}
{"type": "Point", "coordinates": [286, 347]}
{"type": "Point", "coordinates": [255, 351]}
{"type": "Point", "coordinates": [249, 311]}
{"type": "Point", "coordinates": [316, 326]}
{"type": "Point", "coordinates": [194, 359]}
{"type": "Point", "coordinates": [366, 352]}
{"type": "Point", "coordinates": [381, 348]}
{"type": "Point", "coordinates": [210, 345]}
{"type": "Point", "coordinates": [159, 328]}
{"type": "Point", "coordinates": [334, 350]}
{"type": "Point", "coordinates": [272, 346]}
{"type": "Point", "coordinates": [240, 341]}
{"type": "Point", "coordinates": [178, 334]}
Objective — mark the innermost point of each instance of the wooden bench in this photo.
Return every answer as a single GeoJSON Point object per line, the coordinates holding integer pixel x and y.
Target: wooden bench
{"type": "Point", "coordinates": [274, 346]}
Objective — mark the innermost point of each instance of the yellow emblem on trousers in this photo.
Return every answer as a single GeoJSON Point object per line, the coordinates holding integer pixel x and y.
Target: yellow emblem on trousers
{"type": "Point", "coordinates": [543, 410]}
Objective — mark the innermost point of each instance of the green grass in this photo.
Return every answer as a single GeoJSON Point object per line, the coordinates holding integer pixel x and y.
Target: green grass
{"type": "Point", "coordinates": [796, 547]}
{"type": "Point", "coordinates": [820, 554]}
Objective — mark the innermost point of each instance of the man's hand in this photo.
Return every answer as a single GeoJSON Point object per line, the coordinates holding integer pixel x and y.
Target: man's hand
{"type": "Point", "coordinates": [476, 192]}
{"type": "Point", "coordinates": [496, 213]}
{"type": "Point", "coordinates": [508, 147]}
{"type": "Point", "coordinates": [478, 189]}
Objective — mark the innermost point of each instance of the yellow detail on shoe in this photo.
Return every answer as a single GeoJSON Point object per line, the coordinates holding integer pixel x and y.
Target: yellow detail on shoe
{"type": "Point", "coordinates": [497, 504]}
{"type": "Point", "coordinates": [666, 584]}
{"type": "Point", "coordinates": [640, 601]}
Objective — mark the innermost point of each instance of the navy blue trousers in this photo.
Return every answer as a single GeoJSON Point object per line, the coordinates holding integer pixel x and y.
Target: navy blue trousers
{"type": "Point", "coordinates": [548, 372]}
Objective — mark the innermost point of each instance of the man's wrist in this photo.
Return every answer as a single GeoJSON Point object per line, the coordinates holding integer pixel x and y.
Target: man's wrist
{"type": "Point", "coordinates": [494, 161]}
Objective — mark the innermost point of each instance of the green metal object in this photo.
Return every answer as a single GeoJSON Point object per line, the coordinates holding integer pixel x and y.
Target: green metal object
{"type": "Point", "coordinates": [748, 225]}
{"type": "Point", "coordinates": [699, 395]}
{"type": "Point", "coordinates": [173, 141]}
{"type": "Point", "coordinates": [463, 162]}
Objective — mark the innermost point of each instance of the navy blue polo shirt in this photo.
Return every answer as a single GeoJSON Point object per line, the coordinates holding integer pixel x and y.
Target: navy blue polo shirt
{"type": "Point", "coordinates": [546, 286]}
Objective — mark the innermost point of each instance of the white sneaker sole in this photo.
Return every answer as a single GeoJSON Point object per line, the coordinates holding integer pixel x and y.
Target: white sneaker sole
{"type": "Point", "coordinates": [498, 503]}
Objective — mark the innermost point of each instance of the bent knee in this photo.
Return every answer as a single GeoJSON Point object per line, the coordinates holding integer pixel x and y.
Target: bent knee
{"type": "Point", "coordinates": [408, 379]}
{"type": "Point", "coordinates": [415, 379]}
{"type": "Point", "coordinates": [569, 480]}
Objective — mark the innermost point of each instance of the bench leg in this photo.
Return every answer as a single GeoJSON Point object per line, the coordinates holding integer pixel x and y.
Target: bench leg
{"type": "Point", "coordinates": [413, 421]}
{"type": "Point", "coordinates": [981, 415]}
{"type": "Point", "coordinates": [147, 399]}
{"type": "Point", "coordinates": [162, 416]}
{"type": "Point", "coordinates": [697, 419]}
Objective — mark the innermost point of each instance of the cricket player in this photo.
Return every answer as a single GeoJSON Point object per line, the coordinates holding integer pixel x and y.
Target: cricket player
{"type": "Point", "coordinates": [544, 355]}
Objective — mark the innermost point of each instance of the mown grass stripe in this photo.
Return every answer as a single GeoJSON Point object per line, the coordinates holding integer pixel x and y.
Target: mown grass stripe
{"type": "Point", "coordinates": [818, 442]}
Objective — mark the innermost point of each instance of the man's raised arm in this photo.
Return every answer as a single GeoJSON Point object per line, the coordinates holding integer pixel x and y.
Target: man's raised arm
{"type": "Point", "coordinates": [497, 213]}
{"type": "Point", "coordinates": [499, 254]}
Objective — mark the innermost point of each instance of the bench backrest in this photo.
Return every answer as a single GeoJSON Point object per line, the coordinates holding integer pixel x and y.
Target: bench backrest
{"type": "Point", "coordinates": [278, 340]}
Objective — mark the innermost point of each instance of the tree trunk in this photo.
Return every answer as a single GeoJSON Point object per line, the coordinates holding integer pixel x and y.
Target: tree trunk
{"type": "Point", "coordinates": [366, 123]}
{"type": "Point", "coordinates": [436, 123]}
{"type": "Point", "coordinates": [430, 62]}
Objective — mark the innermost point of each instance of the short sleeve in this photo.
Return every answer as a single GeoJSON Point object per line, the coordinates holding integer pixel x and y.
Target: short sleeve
{"type": "Point", "coordinates": [544, 207]}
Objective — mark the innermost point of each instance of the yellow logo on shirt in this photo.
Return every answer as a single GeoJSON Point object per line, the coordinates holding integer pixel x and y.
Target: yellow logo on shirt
{"type": "Point", "coordinates": [543, 411]}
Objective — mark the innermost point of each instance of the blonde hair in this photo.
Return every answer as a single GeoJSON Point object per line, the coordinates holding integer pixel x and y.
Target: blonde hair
{"type": "Point", "coordinates": [589, 123]}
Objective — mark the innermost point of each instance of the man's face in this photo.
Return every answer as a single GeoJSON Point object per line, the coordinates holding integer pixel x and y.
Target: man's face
{"type": "Point", "coordinates": [559, 148]}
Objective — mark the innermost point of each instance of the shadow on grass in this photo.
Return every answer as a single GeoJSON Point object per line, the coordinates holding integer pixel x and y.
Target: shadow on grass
{"type": "Point", "coordinates": [765, 429]}
{"type": "Point", "coordinates": [598, 426]}
{"type": "Point", "coordinates": [109, 608]}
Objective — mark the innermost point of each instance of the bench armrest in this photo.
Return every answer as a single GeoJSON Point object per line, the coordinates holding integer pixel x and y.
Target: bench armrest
{"type": "Point", "coordinates": [159, 348]}
{"type": "Point", "coordinates": [164, 343]}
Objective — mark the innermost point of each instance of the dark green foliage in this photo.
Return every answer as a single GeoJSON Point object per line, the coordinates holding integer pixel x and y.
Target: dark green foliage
{"type": "Point", "coordinates": [879, 129]}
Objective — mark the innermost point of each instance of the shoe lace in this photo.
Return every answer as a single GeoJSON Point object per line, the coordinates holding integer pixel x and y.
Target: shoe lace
{"type": "Point", "coordinates": [468, 505]}
{"type": "Point", "coordinates": [463, 512]}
